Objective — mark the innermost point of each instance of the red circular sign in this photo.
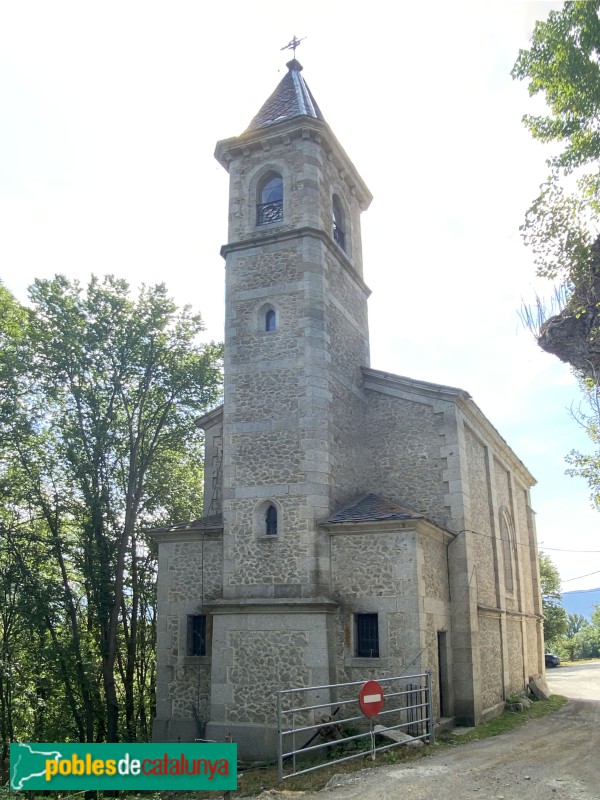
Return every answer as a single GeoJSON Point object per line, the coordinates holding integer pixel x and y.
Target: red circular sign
{"type": "Point", "coordinates": [370, 698]}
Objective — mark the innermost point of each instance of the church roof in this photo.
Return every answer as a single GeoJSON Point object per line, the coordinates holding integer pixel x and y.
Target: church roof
{"type": "Point", "coordinates": [206, 524]}
{"type": "Point", "coordinates": [292, 98]}
{"type": "Point", "coordinates": [370, 508]}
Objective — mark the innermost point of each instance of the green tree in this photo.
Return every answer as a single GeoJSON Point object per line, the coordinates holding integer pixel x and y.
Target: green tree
{"type": "Point", "coordinates": [555, 614]}
{"type": "Point", "coordinates": [587, 465]}
{"type": "Point", "coordinates": [562, 65]}
{"type": "Point", "coordinates": [586, 643]}
{"type": "Point", "coordinates": [575, 623]}
{"type": "Point", "coordinates": [102, 444]}
{"type": "Point", "coordinates": [13, 319]}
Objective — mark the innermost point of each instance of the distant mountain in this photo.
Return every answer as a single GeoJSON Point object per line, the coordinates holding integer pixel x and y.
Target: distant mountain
{"type": "Point", "coordinates": [581, 602]}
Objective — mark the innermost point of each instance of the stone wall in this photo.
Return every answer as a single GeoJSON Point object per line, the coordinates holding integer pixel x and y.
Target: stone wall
{"type": "Point", "coordinates": [375, 572]}
{"type": "Point", "coordinates": [434, 568]}
{"type": "Point", "coordinates": [533, 649]}
{"type": "Point", "coordinates": [490, 653]}
{"type": "Point", "coordinates": [190, 574]}
{"type": "Point", "coordinates": [436, 618]}
{"type": "Point", "coordinates": [404, 441]}
{"type": "Point", "coordinates": [260, 649]}
{"type": "Point", "coordinates": [515, 656]}
{"type": "Point", "coordinates": [346, 317]}
{"type": "Point", "coordinates": [194, 569]}
{"type": "Point", "coordinates": [402, 576]}
{"type": "Point", "coordinates": [258, 656]}
{"type": "Point", "coordinates": [372, 564]}
{"type": "Point", "coordinates": [502, 487]}
{"type": "Point", "coordinates": [496, 491]}
{"type": "Point", "coordinates": [268, 566]}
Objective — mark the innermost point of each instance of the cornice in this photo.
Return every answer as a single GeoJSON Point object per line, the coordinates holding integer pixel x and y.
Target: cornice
{"type": "Point", "coordinates": [378, 380]}
{"type": "Point", "coordinates": [210, 418]}
{"type": "Point", "coordinates": [273, 237]}
{"type": "Point", "coordinates": [190, 535]}
{"type": "Point", "coordinates": [283, 133]}
{"type": "Point", "coordinates": [273, 605]}
{"type": "Point", "coordinates": [388, 383]}
{"type": "Point", "coordinates": [420, 525]}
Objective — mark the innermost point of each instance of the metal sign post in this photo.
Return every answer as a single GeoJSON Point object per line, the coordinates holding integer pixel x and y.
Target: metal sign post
{"type": "Point", "coordinates": [370, 700]}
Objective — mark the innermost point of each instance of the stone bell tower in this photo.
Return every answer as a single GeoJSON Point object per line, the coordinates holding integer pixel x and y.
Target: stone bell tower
{"type": "Point", "coordinates": [296, 337]}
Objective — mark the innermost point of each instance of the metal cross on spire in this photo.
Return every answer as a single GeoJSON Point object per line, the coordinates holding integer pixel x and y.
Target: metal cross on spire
{"type": "Point", "coordinates": [293, 44]}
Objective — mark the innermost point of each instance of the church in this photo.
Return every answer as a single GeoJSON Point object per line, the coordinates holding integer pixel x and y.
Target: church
{"type": "Point", "coordinates": [357, 524]}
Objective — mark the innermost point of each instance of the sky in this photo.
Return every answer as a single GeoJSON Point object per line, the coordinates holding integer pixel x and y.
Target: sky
{"type": "Point", "coordinates": [109, 116]}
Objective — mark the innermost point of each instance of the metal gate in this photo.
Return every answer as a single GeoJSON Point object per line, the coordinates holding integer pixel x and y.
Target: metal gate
{"type": "Point", "coordinates": [323, 725]}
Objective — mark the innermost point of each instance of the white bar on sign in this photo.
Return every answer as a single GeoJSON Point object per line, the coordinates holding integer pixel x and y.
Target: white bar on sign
{"type": "Point", "coordinates": [372, 698]}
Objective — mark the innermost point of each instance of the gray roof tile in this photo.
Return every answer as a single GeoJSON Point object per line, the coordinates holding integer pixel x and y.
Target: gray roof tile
{"type": "Point", "coordinates": [292, 98]}
{"type": "Point", "coordinates": [372, 507]}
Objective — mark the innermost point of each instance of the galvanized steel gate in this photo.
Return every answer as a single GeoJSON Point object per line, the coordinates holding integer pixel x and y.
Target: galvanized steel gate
{"type": "Point", "coordinates": [324, 724]}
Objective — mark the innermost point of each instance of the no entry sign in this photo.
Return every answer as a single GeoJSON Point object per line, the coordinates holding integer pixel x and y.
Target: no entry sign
{"type": "Point", "coordinates": [370, 698]}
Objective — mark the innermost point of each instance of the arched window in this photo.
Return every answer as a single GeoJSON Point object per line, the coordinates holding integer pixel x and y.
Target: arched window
{"type": "Point", "coordinates": [270, 320]}
{"type": "Point", "coordinates": [267, 520]}
{"type": "Point", "coordinates": [269, 207]}
{"type": "Point", "coordinates": [271, 521]}
{"type": "Point", "coordinates": [338, 223]}
{"type": "Point", "coordinates": [507, 538]}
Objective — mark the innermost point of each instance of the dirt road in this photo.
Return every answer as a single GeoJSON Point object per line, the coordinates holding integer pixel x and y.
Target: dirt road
{"type": "Point", "coordinates": [554, 757]}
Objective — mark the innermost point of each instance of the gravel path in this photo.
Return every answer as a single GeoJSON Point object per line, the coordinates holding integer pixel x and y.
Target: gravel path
{"type": "Point", "coordinates": [554, 757]}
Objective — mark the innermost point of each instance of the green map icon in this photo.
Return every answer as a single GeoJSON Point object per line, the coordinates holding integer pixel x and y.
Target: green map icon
{"type": "Point", "coordinates": [27, 762]}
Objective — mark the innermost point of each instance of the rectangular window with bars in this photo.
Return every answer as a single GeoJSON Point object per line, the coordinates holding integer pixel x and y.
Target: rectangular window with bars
{"type": "Point", "coordinates": [196, 635]}
{"type": "Point", "coordinates": [366, 635]}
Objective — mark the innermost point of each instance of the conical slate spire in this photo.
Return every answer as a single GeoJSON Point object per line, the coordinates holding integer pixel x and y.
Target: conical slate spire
{"type": "Point", "coordinates": [292, 98]}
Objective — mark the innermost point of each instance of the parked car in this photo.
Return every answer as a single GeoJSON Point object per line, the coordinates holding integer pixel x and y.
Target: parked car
{"type": "Point", "coordinates": [552, 660]}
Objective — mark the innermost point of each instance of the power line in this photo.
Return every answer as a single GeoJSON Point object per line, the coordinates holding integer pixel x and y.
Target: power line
{"type": "Point", "coordinates": [560, 550]}
{"type": "Point", "coordinates": [597, 572]}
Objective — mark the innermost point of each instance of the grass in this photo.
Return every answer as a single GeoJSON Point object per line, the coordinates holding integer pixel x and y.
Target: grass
{"type": "Point", "coordinates": [505, 723]}
{"type": "Point", "coordinates": [254, 781]}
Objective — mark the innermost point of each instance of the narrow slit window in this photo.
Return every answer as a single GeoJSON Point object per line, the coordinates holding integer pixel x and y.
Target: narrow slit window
{"type": "Point", "coordinates": [338, 224]}
{"type": "Point", "coordinates": [271, 521]}
{"type": "Point", "coordinates": [270, 320]}
{"type": "Point", "coordinates": [366, 636]}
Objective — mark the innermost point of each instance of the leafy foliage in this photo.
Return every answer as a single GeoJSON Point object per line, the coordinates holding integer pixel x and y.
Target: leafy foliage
{"type": "Point", "coordinates": [555, 614]}
{"type": "Point", "coordinates": [587, 465]}
{"type": "Point", "coordinates": [100, 444]}
{"type": "Point", "coordinates": [562, 65]}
